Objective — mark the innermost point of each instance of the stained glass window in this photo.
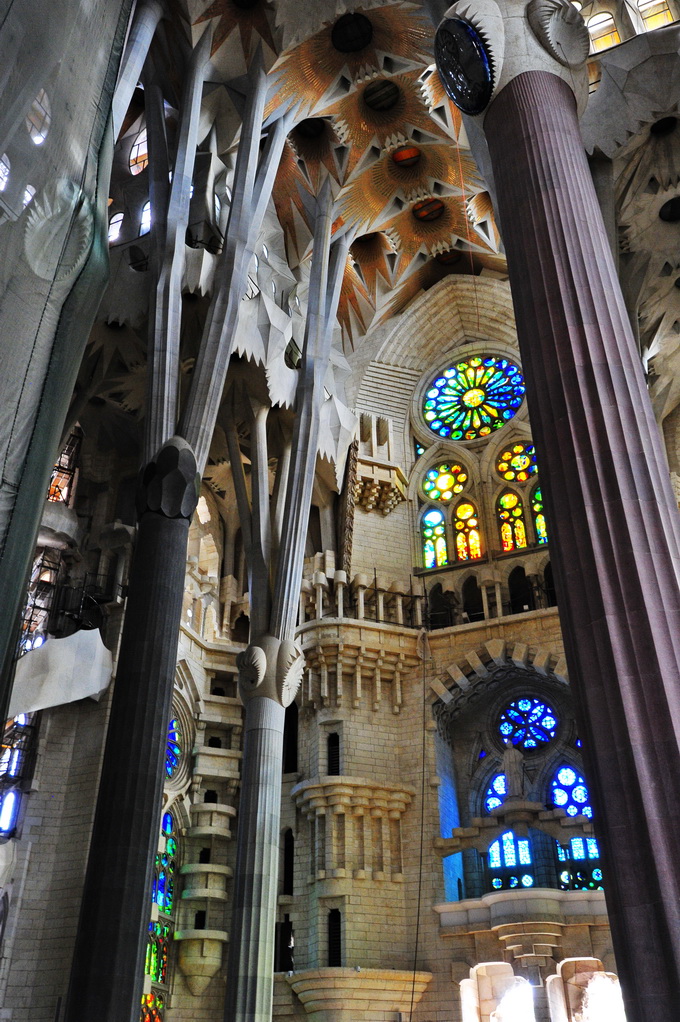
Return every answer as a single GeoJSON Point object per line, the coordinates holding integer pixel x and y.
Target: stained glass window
{"type": "Point", "coordinates": [442, 482]}
{"type": "Point", "coordinates": [579, 864]}
{"type": "Point", "coordinates": [473, 398]}
{"type": "Point", "coordinates": [145, 222]}
{"type": "Point", "coordinates": [156, 962]}
{"type": "Point", "coordinates": [466, 531]}
{"type": "Point", "coordinates": [153, 1006]}
{"type": "Point", "coordinates": [511, 522]}
{"type": "Point", "coordinates": [163, 893]}
{"type": "Point", "coordinates": [539, 516]}
{"type": "Point", "coordinates": [435, 553]}
{"type": "Point", "coordinates": [173, 749]}
{"type": "Point", "coordinates": [139, 153]}
{"type": "Point", "coordinates": [39, 118]}
{"type": "Point", "coordinates": [495, 793]}
{"type": "Point", "coordinates": [517, 462]}
{"type": "Point", "coordinates": [528, 723]}
{"type": "Point", "coordinates": [510, 862]}
{"type": "Point", "coordinates": [419, 449]}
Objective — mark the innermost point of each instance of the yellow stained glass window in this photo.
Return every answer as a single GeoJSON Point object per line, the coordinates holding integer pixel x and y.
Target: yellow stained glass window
{"type": "Point", "coordinates": [466, 529]}
{"type": "Point", "coordinates": [511, 521]}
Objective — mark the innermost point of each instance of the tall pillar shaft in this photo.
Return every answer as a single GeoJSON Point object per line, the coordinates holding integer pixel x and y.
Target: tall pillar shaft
{"type": "Point", "coordinates": [108, 962]}
{"type": "Point", "coordinates": [611, 515]}
{"type": "Point", "coordinates": [251, 945]}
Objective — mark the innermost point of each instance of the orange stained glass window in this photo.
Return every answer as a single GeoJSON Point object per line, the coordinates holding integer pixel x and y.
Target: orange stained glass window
{"type": "Point", "coordinates": [603, 31]}
{"type": "Point", "coordinates": [511, 521]}
{"type": "Point", "coordinates": [442, 482]}
{"type": "Point", "coordinates": [655, 13]}
{"type": "Point", "coordinates": [466, 529]}
{"type": "Point", "coordinates": [139, 153]}
{"type": "Point", "coordinates": [517, 462]}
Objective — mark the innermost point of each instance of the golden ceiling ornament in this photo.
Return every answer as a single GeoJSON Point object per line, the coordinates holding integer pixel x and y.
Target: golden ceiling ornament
{"type": "Point", "coordinates": [440, 106]}
{"type": "Point", "coordinates": [374, 190]}
{"type": "Point", "coordinates": [289, 185]}
{"type": "Point", "coordinates": [370, 253]}
{"type": "Point", "coordinates": [411, 236]}
{"type": "Point", "coordinates": [247, 19]}
{"type": "Point", "coordinates": [311, 69]}
{"type": "Point", "coordinates": [314, 141]}
{"type": "Point", "coordinates": [431, 272]}
{"type": "Point", "coordinates": [481, 214]}
{"type": "Point", "coordinates": [354, 303]}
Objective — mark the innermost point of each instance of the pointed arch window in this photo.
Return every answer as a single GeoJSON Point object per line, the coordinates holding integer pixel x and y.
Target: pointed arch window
{"type": "Point", "coordinates": [511, 522]}
{"type": "Point", "coordinates": [173, 749]}
{"type": "Point", "coordinates": [539, 515]}
{"type": "Point", "coordinates": [466, 531]}
{"type": "Point", "coordinates": [510, 862]}
{"type": "Point", "coordinates": [579, 864]}
{"type": "Point", "coordinates": [495, 793]}
{"type": "Point", "coordinates": [603, 31]}
{"type": "Point", "coordinates": [435, 550]}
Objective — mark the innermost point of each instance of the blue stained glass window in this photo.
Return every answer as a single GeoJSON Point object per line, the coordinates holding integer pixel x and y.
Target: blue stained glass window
{"type": "Point", "coordinates": [503, 858]}
{"type": "Point", "coordinates": [570, 792]}
{"type": "Point", "coordinates": [473, 398]}
{"type": "Point", "coordinates": [435, 550]}
{"type": "Point", "coordinates": [528, 723]}
{"type": "Point", "coordinates": [173, 749]}
{"type": "Point", "coordinates": [495, 793]}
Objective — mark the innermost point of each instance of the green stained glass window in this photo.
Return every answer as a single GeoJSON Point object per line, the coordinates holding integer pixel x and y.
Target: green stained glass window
{"type": "Point", "coordinates": [473, 398]}
{"type": "Point", "coordinates": [153, 1007]}
{"type": "Point", "coordinates": [511, 522]}
{"type": "Point", "coordinates": [517, 462]}
{"type": "Point", "coordinates": [163, 892]}
{"type": "Point", "coordinates": [443, 482]}
{"type": "Point", "coordinates": [156, 963]}
{"type": "Point", "coordinates": [435, 551]}
{"type": "Point", "coordinates": [539, 516]}
{"type": "Point", "coordinates": [173, 749]}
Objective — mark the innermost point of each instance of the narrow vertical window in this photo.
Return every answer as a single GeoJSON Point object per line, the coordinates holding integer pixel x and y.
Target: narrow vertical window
{"type": "Point", "coordinates": [115, 224]}
{"type": "Point", "coordinates": [333, 750]}
{"type": "Point", "coordinates": [288, 862]}
{"type": "Point", "coordinates": [290, 739]}
{"type": "Point", "coordinates": [145, 223]}
{"type": "Point", "coordinates": [435, 552]}
{"type": "Point", "coordinates": [4, 171]}
{"type": "Point", "coordinates": [39, 118]}
{"type": "Point", "coordinates": [139, 154]}
{"type": "Point", "coordinates": [539, 515]}
{"type": "Point", "coordinates": [511, 522]}
{"type": "Point", "coordinates": [510, 862]}
{"type": "Point", "coordinates": [466, 531]}
{"type": "Point", "coordinates": [603, 31]}
{"type": "Point", "coordinates": [334, 938]}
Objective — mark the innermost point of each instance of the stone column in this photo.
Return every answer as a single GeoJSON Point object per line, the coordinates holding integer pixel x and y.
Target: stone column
{"type": "Point", "coordinates": [611, 512]}
{"type": "Point", "coordinates": [144, 24]}
{"type": "Point", "coordinates": [108, 962]}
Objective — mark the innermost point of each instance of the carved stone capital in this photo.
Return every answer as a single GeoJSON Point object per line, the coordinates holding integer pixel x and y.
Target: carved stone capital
{"type": "Point", "coordinates": [169, 484]}
{"type": "Point", "coordinates": [270, 667]}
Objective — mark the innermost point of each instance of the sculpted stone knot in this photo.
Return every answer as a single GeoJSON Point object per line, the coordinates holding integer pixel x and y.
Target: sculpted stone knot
{"type": "Point", "coordinates": [169, 484]}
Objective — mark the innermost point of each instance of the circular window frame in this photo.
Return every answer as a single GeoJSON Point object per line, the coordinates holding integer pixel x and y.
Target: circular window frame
{"type": "Point", "coordinates": [472, 348]}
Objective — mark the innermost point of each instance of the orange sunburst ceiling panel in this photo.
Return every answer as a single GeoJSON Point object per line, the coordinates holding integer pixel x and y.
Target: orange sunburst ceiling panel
{"type": "Point", "coordinates": [370, 254]}
{"type": "Point", "coordinates": [354, 298]}
{"type": "Point", "coordinates": [411, 236]}
{"type": "Point", "coordinates": [246, 19]}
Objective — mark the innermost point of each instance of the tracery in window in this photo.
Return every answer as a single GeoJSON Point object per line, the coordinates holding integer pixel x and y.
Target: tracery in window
{"type": "Point", "coordinates": [173, 749]}
{"type": "Point", "coordinates": [495, 793]}
{"type": "Point", "coordinates": [527, 722]}
{"type": "Point", "coordinates": [156, 963]}
{"type": "Point", "coordinates": [115, 224]}
{"type": "Point", "coordinates": [145, 223]}
{"type": "Point", "coordinates": [139, 153]}
{"type": "Point", "coordinates": [443, 482]}
{"type": "Point", "coordinates": [579, 864]}
{"type": "Point", "coordinates": [538, 515]}
{"type": "Point", "coordinates": [517, 462]}
{"type": "Point", "coordinates": [466, 531]}
{"type": "Point", "coordinates": [511, 521]}
{"type": "Point", "coordinates": [473, 398]}
{"type": "Point", "coordinates": [603, 31]}
{"type": "Point", "coordinates": [510, 862]}
{"type": "Point", "coordinates": [39, 118]}
{"type": "Point", "coordinates": [163, 891]}
{"type": "Point", "coordinates": [655, 13]}
{"type": "Point", "coordinates": [153, 1006]}
{"type": "Point", "coordinates": [4, 171]}
{"type": "Point", "coordinates": [435, 552]}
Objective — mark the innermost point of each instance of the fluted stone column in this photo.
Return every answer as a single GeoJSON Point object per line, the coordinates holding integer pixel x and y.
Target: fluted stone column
{"type": "Point", "coordinates": [108, 963]}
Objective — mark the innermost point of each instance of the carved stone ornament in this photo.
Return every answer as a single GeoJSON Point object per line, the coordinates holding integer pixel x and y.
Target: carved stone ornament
{"type": "Point", "coordinates": [560, 30]}
{"type": "Point", "coordinates": [290, 669]}
{"type": "Point", "coordinates": [169, 484]}
{"type": "Point", "coordinates": [58, 231]}
{"type": "Point", "coordinates": [270, 667]}
{"type": "Point", "coordinates": [252, 667]}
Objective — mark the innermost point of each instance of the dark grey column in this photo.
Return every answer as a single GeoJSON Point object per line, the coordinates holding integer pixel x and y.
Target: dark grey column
{"type": "Point", "coordinates": [612, 519]}
{"type": "Point", "coordinates": [108, 964]}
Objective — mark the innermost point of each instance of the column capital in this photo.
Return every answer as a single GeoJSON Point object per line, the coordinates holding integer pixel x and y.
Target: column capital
{"type": "Point", "coordinates": [483, 45]}
{"type": "Point", "coordinates": [270, 667]}
{"type": "Point", "coordinates": [169, 484]}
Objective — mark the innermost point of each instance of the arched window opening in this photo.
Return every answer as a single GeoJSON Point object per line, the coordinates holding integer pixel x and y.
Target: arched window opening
{"type": "Point", "coordinates": [654, 13]}
{"type": "Point", "coordinates": [435, 551]}
{"type": "Point", "coordinates": [511, 522]}
{"type": "Point", "coordinates": [285, 946]}
{"type": "Point", "coordinates": [510, 863]}
{"type": "Point", "coordinates": [210, 795]}
{"type": "Point", "coordinates": [579, 865]}
{"type": "Point", "coordinates": [443, 482]}
{"type": "Point", "coordinates": [517, 463]}
{"type": "Point", "coordinates": [115, 224]}
{"type": "Point", "coordinates": [521, 592]}
{"type": "Point", "coordinates": [333, 753]}
{"type": "Point", "coordinates": [241, 630]}
{"type": "Point", "coordinates": [173, 748]}
{"type": "Point", "coordinates": [4, 171]}
{"type": "Point", "coordinates": [441, 607]}
{"type": "Point", "coordinates": [288, 862]}
{"type": "Point", "coordinates": [145, 222]}
{"type": "Point", "coordinates": [603, 31]}
{"type": "Point", "coordinates": [466, 531]}
{"type": "Point", "coordinates": [39, 118]}
{"type": "Point", "coordinates": [539, 515]}
{"type": "Point", "coordinates": [473, 605]}
{"type": "Point", "coordinates": [139, 153]}
{"type": "Point", "coordinates": [290, 739]}
{"type": "Point", "coordinates": [495, 793]}
{"type": "Point", "coordinates": [334, 938]}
